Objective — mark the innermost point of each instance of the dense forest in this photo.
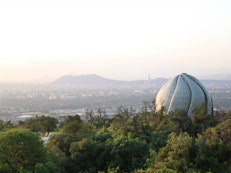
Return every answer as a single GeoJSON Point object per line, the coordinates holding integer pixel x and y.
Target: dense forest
{"type": "Point", "coordinates": [130, 142]}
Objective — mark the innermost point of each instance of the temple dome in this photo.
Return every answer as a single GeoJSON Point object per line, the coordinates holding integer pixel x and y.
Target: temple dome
{"type": "Point", "coordinates": [183, 92]}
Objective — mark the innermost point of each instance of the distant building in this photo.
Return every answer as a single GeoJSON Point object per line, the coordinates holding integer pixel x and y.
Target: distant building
{"type": "Point", "coordinates": [183, 92]}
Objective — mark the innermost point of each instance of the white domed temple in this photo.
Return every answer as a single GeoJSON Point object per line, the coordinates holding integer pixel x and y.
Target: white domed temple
{"type": "Point", "coordinates": [183, 92]}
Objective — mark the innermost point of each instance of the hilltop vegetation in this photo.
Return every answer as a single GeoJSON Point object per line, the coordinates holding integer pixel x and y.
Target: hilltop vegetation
{"type": "Point", "coordinates": [129, 142]}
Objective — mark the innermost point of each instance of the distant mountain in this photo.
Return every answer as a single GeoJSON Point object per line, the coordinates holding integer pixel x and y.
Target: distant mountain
{"type": "Point", "coordinates": [223, 76]}
{"type": "Point", "coordinates": [95, 81]}
{"type": "Point", "coordinates": [82, 80]}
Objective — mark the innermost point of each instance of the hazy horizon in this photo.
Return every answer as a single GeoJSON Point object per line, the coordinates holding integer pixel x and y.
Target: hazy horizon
{"type": "Point", "coordinates": [122, 40]}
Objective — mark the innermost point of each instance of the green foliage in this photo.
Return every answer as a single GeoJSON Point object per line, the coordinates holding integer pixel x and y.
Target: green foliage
{"type": "Point", "coordinates": [83, 156]}
{"type": "Point", "coordinates": [4, 126]}
{"type": "Point", "coordinates": [176, 154]}
{"type": "Point", "coordinates": [89, 154]}
{"type": "Point", "coordinates": [201, 121]}
{"type": "Point", "coordinates": [97, 120]}
{"type": "Point", "coordinates": [71, 127]}
{"type": "Point", "coordinates": [139, 143]}
{"type": "Point", "coordinates": [181, 122]}
{"type": "Point", "coordinates": [128, 154]}
{"type": "Point", "coordinates": [42, 124]}
{"type": "Point", "coordinates": [205, 159]}
{"type": "Point", "coordinates": [48, 167]}
{"type": "Point", "coordinates": [218, 139]}
{"type": "Point", "coordinates": [20, 149]}
{"type": "Point", "coordinates": [74, 126]}
{"type": "Point", "coordinates": [151, 158]}
{"type": "Point", "coordinates": [59, 144]}
{"type": "Point", "coordinates": [144, 142]}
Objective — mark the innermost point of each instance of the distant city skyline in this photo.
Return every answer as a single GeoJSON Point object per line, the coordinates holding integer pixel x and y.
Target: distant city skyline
{"type": "Point", "coordinates": [123, 40]}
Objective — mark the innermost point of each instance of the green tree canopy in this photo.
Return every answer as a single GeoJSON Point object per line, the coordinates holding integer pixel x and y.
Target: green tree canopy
{"type": "Point", "coordinates": [71, 125]}
{"type": "Point", "coordinates": [176, 154]}
{"type": "Point", "coordinates": [6, 125]}
{"type": "Point", "coordinates": [43, 124]}
{"type": "Point", "coordinates": [20, 149]}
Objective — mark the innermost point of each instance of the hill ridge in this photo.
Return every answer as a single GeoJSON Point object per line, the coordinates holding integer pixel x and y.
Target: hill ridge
{"type": "Point", "coordinates": [99, 81]}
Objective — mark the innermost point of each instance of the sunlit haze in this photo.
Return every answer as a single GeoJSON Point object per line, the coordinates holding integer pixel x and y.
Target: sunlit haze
{"type": "Point", "coordinates": [125, 40]}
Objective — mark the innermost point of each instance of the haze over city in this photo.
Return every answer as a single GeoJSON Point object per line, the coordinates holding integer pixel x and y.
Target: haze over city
{"type": "Point", "coordinates": [124, 40]}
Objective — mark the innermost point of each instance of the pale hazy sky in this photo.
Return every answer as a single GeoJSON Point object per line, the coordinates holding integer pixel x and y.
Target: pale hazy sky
{"type": "Point", "coordinates": [119, 39]}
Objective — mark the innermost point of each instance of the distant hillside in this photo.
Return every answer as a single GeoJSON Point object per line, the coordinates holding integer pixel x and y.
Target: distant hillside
{"type": "Point", "coordinates": [223, 76]}
{"type": "Point", "coordinates": [95, 81]}
{"type": "Point", "coordinates": [82, 80]}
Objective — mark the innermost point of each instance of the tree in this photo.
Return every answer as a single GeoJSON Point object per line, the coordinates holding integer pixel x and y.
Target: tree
{"type": "Point", "coordinates": [89, 154]}
{"type": "Point", "coordinates": [72, 124]}
{"type": "Point", "coordinates": [6, 125]}
{"type": "Point", "coordinates": [59, 144]}
{"type": "Point", "coordinates": [83, 156]}
{"type": "Point", "coordinates": [128, 155]}
{"type": "Point", "coordinates": [204, 158]}
{"type": "Point", "coordinates": [20, 149]}
{"type": "Point", "coordinates": [218, 141]}
{"type": "Point", "coordinates": [176, 154]}
{"type": "Point", "coordinates": [43, 124]}
{"type": "Point", "coordinates": [201, 121]}
{"type": "Point", "coordinates": [121, 124]}
{"type": "Point", "coordinates": [97, 120]}
{"type": "Point", "coordinates": [181, 121]}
